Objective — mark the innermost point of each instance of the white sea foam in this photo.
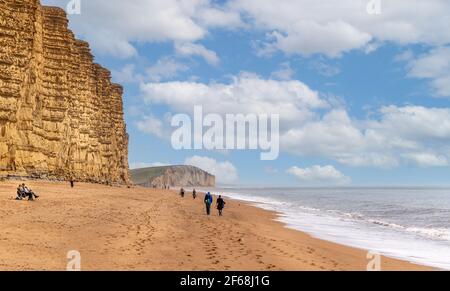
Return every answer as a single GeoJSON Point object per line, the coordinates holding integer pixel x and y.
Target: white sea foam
{"type": "Point", "coordinates": [427, 246]}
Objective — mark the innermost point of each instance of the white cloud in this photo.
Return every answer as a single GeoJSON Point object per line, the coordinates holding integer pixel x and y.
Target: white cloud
{"type": "Point", "coordinates": [405, 56]}
{"type": "Point", "coordinates": [127, 74]}
{"type": "Point", "coordinates": [220, 17]}
{"type": "Point", "coordinates": [435, 66]}
{"type": "Point", "coordinates": [245, 94]}
{"type": "Point", "coordinates": [437, 63]}
{"type": "Point", "coordinates": [324, 69]}
{"type": "Point", "coordinates": [112, 26]}
{"type": "Point", "coordinates": [225, 172]}
{"type": "Point", "coordinates": [165, 68]}
{"type": "Point", "coordinates": [321, 175]}
{"type": "Point", "coordinates": [134, 110]}
{"type": "Point", "coordinates": [108, 43]}
{"type": "Point", "coordinates": [285, 72]}
{"type": "Point", "coordinates": [311, 127]}
{"type": "Point", "coordinates": [191, 49]}
{"type": "Point", "coordinates": [333, 136]}
{"type": "Point", "coordinates": [428, 159]}
{"type": "Point", "coordinates": [331, 39]}
{"type": "Point", "coordinates": [151, 125]}
{"type": "Point", "coordinates": [441, 86]}
{"type": "Point", "coordinates": [307, 27]}
{"type": "Point", "coordinates": [399, 135]}
{"type": "Point", "coordinates": [295, 26]}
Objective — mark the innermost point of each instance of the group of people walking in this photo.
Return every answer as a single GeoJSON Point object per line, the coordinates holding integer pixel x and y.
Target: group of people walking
{"type": "Point", "coordinates": [220, 203]}
{"type": "Point", "coordinates": [208, 200]}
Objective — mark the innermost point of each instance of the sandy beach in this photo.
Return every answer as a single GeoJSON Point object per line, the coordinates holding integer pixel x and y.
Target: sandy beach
{"type": "Point", "coordinates": [145, 229]}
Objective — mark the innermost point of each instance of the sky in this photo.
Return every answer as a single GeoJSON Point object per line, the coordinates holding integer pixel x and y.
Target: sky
{"type": "Point", "coordinates": [362, 87]}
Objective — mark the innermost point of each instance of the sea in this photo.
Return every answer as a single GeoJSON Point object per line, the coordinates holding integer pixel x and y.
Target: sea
{"type": "Point", "coordinates": [411, 224]}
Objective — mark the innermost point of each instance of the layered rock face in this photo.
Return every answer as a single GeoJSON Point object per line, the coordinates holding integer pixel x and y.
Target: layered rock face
{"type": "Point", "coordinates": [60, 115]}
{"type": "Point", "coordinates": [172, 176]}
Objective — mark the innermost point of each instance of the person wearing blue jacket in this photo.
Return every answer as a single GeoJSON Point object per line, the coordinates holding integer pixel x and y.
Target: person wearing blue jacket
{"type": "Point", "coordinates": [208, 202]}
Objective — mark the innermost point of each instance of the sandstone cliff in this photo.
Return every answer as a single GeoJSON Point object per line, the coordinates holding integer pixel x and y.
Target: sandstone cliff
{"type": "Point", "coordinates": [173, 176]}
{"type": "Point", "coordinates": [60, 115]}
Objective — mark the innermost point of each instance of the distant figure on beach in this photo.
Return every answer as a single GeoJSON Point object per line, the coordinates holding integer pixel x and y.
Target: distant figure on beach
{"type": "Point", "coordinates": [194, 194]}
{"type": "Point", "coordinates": [220, 205]}
{"type": "Point", "coordinates": [182, 193]}
{"type": "Point", "coordinates": [208, 201]}
{"type": "Point", "coordinates": [23, 192]}
{"type": "Point", "coordinates": [72, 183]}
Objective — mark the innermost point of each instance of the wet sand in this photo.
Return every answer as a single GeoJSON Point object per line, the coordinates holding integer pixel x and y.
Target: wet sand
{"type": "Point", "coordinates": [117, 228]}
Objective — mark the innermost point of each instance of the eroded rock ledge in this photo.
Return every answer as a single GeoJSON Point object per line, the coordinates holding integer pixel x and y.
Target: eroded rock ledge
{"type": "Point", "coordinates": [60, 115]}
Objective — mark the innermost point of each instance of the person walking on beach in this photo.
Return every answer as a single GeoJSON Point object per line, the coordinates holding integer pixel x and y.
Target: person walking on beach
{"type": "Point", "coordinates": [72, 183]}
{"type": "Point", "coordinates": [220, 205]}
{"type": "Point", "coordinates": [182, 193]}
{"type": "Point", "coordinates": [208, 201]}
{"type": "Point", "coordinates": [194, 194]}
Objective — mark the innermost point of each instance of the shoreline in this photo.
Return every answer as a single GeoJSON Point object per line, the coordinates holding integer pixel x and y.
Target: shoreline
{"type": "Point", "coordinates": [277, 218]}
{"type": "Point", "coordinates": [119, 228]}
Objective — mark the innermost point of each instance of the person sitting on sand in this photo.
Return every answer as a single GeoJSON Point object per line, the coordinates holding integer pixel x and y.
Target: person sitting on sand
{"type": "Point", "coordinates": [25, 191]}
{"type": "Point", "coordinates": [20, 193]}
{"type": "Point", "coordinates": [220, 205]}
{"type": "Point", "coordinates": [194, 194]}
{"type": "Point", "coordinates": [208, 201]}
{"type": "Point", "coordinates": [182, 193]}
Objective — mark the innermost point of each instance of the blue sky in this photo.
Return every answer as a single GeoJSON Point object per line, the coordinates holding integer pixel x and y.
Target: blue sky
{"type": "Point", "coordinates": [382, 79]}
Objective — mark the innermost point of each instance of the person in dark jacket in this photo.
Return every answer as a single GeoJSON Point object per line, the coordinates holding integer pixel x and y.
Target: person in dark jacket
{"type": "Point", "coordinates": [20, 193]}
{"type": "Point", "coordinates": [220, 205]}
{"type": "Point", "coordinates": [194, 194]}
{"type": "Point", "coordinates": [208, 202]}
{"type": "Point", "coordinates": [23, 192]}
{"type": "Point", "coordinates": [182, 193]}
